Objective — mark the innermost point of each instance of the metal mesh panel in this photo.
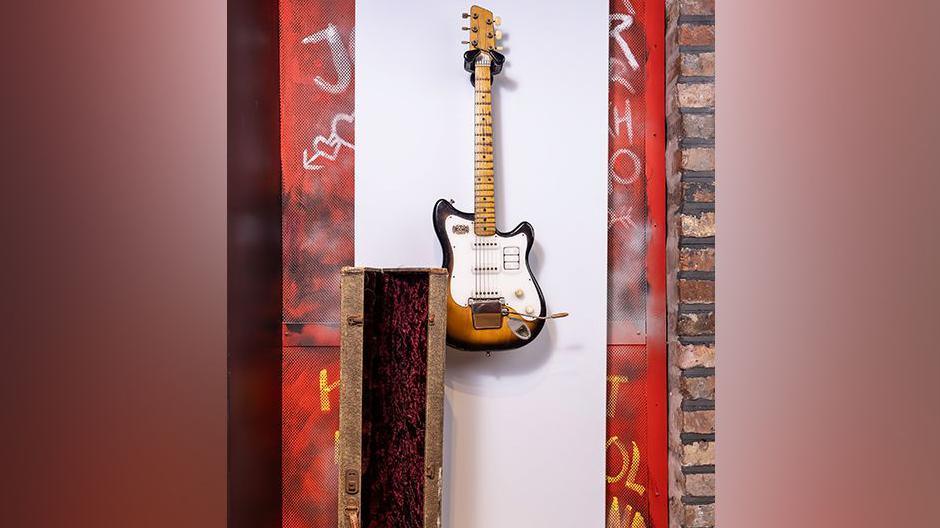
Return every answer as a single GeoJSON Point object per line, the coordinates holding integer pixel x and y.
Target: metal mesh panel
{"type": "Point", "coordinates": [628, 482]}
{"type": "Point", "coordinates": [629, 488]}
{"type": "Point", "coordinates": [310, 419]}
{"type": "Point", "coordinates": [627, 215]}
{"type": "Point", "coordinates": [317, 155]}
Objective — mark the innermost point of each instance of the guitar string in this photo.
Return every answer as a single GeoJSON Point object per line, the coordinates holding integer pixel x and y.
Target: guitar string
{"type": "Point", "coordinates": [483, 258]}
{"type": "Point", "coordinates": [479, 97]}
{"type": "Point", "coordinates": [482, 136]}
{"type": "Point", "coordinates": [487, 92]}
{"type": "Point", "coordinates": [476, 219]}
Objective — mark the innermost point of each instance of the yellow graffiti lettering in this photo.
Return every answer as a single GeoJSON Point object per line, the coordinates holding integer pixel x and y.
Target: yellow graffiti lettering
{"type": "Point", "coordinates": [634, 469]}
{"type": "Point", "coordinates": [614, 519]}
{"type": "Point", "coordinates": [623, 454]}
{"type": "Point", "coordinates": [614, 382]}
{"type": "Point", "coordinates": [325, 390]}
{"type": "Point", "coordinates": [336, 448]}
{"type": "Point", "coordinates": [638, 521]}
{"type": "Point", "coordinates": [617, 520]}
{"type": "Point", "coordinates": [634, 466]}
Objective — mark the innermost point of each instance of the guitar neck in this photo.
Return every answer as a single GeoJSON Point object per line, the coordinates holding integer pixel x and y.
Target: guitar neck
{"type": "Point", "coordinates": [484, 177]}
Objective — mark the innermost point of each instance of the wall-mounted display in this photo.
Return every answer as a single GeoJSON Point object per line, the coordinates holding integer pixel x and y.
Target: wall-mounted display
{"type": "Point", "coordinates": [376, 123]}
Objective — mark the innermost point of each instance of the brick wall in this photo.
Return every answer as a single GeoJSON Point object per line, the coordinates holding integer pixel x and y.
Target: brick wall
{"type": "Point", "coordinates": [690, 175]}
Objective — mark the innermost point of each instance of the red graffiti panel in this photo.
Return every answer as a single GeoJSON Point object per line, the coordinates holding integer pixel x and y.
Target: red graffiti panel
{"type": "Point", "coordinates": [317, 50]}
{"type": "Point", "coordinates": [310, 419]}
{"type": "Point", "coordinates": [317, 156]}
{"type": "Point", "coordinates": [636, 390]}
{"type": "Point", "coordinates": [628, 483]}
{"type": "Point", "coordinates": [626, 213]}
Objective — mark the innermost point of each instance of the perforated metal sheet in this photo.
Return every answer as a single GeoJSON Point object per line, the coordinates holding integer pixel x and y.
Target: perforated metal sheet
{"type": "Point", "coordinates": [628, 482]}
{"type": "Point", "coordinates": [310, 419]}
{"type": "Point", "coordinates": [627, 214]}
{"type": "Point", "coordinates": [317, 157]}
{"type": "Point", "coordinates": [317, 48]}
{"type": "Point", "coordinates": [636, 290]}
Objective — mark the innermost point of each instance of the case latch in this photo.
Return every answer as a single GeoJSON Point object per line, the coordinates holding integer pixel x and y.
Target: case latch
{"type": "Point", "coordinates": [352, 482]}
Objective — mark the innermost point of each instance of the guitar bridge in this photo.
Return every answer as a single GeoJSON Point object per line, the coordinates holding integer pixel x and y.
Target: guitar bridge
{"type": "Point", "coordinates": [487, 314]}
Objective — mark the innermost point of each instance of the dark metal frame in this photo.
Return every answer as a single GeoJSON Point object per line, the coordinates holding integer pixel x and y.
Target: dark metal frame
{"type": "Point", "coordinates": [254, 266]}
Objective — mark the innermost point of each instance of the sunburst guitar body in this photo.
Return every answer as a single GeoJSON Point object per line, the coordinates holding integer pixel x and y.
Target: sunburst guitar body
{"type": "Point", "coordinates": [495, 302]}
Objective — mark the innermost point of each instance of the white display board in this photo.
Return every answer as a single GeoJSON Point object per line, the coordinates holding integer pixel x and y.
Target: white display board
{"type": "Point", "coordinates": [524, 429]}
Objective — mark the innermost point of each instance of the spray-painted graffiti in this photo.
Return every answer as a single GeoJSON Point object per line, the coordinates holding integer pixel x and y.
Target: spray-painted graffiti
{"type": "Point", "coordinates": [317, 78]}
{"type": "Point", "coordinates": [626, 174]}
{"type": "Point", "coordinates": [632, 174]}
{"type": "Point", "coordinates": [627, 470]}
{"type": "Point", "coordinates": [628, 497]}
{"type": "Point", "coordinates": [623, 67]}
{"type": "Point", "coordinates": [341, 60]}
{"type": "Point", "coordinates": [625, 119]}
{"type": "Point", "coordinates": [318, 153]}
{"type": "Point", "coordinates": [328, 147]}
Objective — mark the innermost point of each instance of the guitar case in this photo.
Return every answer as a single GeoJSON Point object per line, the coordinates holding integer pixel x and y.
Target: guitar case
{"type": "Point", "coordinates": [391, 419]}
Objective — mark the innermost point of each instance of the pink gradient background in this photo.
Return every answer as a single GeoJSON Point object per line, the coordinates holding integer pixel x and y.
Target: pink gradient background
{"type": "Point", "coordinates": [828, 166]}
{"type": "Point", "coordinates": [113, 195]}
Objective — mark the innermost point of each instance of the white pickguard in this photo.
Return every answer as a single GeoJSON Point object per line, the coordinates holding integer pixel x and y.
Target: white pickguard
{"type": "Point", "coordinates": [490, 267]}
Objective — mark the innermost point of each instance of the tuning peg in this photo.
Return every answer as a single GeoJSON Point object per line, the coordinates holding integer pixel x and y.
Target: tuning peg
{"type": "Point", "coordinates": [465, 42]}
{"type": "Point", "coordinates": [465, 28]}
{"type": "Point", "coordinates": [499, 34]}
{"type": "Point", "coordinates": [499, 48]}
{"type": "Point", "coordinates": [498, 21]}
{"type": "Point", "coordinates": [465, 15]}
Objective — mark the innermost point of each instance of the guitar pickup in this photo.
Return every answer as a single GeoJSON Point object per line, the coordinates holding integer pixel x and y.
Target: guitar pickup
{"type": "Point", "coordinates": [511, 258]}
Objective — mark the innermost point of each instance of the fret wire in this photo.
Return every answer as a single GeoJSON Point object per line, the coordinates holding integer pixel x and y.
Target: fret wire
{"type": "Point", "coordinates": [484, 166]}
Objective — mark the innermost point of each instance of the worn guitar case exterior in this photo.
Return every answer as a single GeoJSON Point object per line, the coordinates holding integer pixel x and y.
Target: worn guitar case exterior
{"type": "Point", "coordinates": [393, 326]}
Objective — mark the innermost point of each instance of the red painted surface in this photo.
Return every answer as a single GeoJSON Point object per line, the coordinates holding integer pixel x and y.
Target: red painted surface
{"type": "Point", "coordinates": [317, 156]}
{"type": "Point", "coordinates": [309, 421]}
{"type": "Point", "coordinates": [657, 404]}
{"type": "Point", "coordinates": [637, 484]}
{"type": "Point", "coordinates": [317, 97]}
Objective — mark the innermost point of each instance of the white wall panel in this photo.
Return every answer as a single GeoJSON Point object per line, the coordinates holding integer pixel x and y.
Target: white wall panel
{"type": "Point", "coordinates": [525, 429]}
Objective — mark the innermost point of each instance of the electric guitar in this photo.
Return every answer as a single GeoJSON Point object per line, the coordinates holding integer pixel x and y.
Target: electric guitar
{"type": "Point", "coordinates": [495, 302]}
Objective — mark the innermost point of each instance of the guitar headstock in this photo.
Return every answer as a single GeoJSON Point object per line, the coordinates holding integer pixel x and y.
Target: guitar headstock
{"type": "Point", "coordinates": [483, 35]}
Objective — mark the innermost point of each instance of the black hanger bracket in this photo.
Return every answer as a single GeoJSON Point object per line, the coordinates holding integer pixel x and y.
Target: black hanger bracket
{"type": "Point", "coordinates": [470, 62]}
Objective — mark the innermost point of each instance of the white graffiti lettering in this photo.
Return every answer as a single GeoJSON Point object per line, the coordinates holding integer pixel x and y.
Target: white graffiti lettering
{"type": "Point", "coordinates": [626, 22]}
{"type": "Point", "coordinates": [342, 62]}
{"type": "Point", "coordinates": [617, 70]}
{"type": "Point", "coordinates": [328, 147]}
{"type": "Point", "coordinates": [637, 167]}
{"type": "Point", "coordinates": [626, 218]}
{"type": "Point", "coordinates": [617, 119]}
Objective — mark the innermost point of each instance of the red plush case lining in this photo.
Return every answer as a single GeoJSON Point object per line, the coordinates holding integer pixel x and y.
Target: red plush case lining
{"type": "Point", "coordinates": [394, 398]}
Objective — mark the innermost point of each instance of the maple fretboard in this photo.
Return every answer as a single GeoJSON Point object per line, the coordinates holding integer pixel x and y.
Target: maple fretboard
{"type": "Point", "coordinates": [484, 209]}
